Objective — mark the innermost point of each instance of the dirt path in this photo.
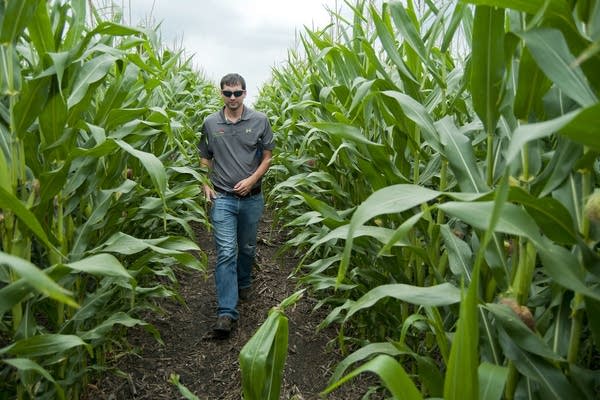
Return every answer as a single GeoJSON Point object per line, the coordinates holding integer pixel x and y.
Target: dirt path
{"type": "Point", "coordinates": [210, 368]}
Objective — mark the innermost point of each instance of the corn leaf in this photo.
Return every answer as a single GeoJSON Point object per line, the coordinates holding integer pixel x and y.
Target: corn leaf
{"type": "Point", "coordinates": [438, 295]}
{"type": "Point", "coordinates": [487, 70]}
{"type": "Point", "coordinates": [391, 199]}
{"type": "Point", "coordinates": [394, 378]}
{"type": "Point", "coordinates": [553, 383]}
{"type": "Point", "coordinates": [153, 166]}
{"type": "Point", "coordinates": [492, 379]}
{"type": "Point", "coordinates": [44, 345]}
{"type": "Point", "coordinates": [100, 264]}
{"type": "Point", "coordinates": [549, 49]}
{"type": "Point", "coordinates": [91, 72]}
{"type": "Point", "coordinates": [37, 278]}
{"type": "Point", "coordinates": [17, 15]}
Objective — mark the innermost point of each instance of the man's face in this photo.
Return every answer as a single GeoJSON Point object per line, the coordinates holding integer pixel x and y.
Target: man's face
{"type": "Point", "coordinates": [233, 96]}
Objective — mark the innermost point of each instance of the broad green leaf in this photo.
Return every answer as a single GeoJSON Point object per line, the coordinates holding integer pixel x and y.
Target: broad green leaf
{"type": "Point", "coordinates": [407, 29]}
{"type": "Point", "coordinates": [386, 37]}
{"type": "Point", "coordinates": [37, 278]}
{"type": "Point", "coordinates": [153, 166]}
{"type": "Point", "coordinates": [10, 73]}
{"type": "Point", "coordinates": [52, 122]}
{"type": "Point", "coordinates": [458, 149]}
{"type": "Point", "coordinates": [520, 333]}
{"type": "Point", "coordinates": [529, 132]}
{"type": "Point", "coordinates": [30, 104]}
{"type": "Point", "coordinates": [394, 378]}
{"type": "Point", "coordinates": [416, 112]}
{"type": "Point", "coordinates": [344, 131]}
{"type": "Point", "coordinates": [12, 294]}
{"type": "Point", "coordinates": [461, 380]}
{"type": "Point", "coordinates": [91, 72]}
{"type": "Point", "coordinates": [531, 87]}
{"type": "Point", "coordinates": [361, 354]}
{"type": "Point", "coordinates": [438, 295]}
{"type": "Point", "coordinates": [101, 331]}
{"type": "Point", "coordinates": [492, 379]}
{"type": "Point", "coordinates": [262, 358]}
{"type": "Point", "coordinates": [40, 29]}
{"type": "Point", "coordinates": [17, 15]}
{"type": "Point", "coordinates": [44, 345]}
{"type": "Point", "coordinates": [100, 264]}
{"type": "Point", "coordinates": [460, 256]}
{"type": "Point", "coordinates": [553, 383]}
{"type": "Point", "coordinates": [513, 221]}
{"type": "Point", "coordinates": [550, 50]}
{"type": "Point", "coordinates": [392, 199]}
{"type": "Point", "coordinates": [27, 365]}
{"type": "Point", "coordinates": [564, 268]}
{"type": "Point", "coordinates": [487, 69]}
{"type": "Point", "coordinates": [550, 215]}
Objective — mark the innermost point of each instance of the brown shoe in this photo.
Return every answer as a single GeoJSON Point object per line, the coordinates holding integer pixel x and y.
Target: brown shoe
{"type": "Point", "coordinates": [244, 293]}
{"type": "Point", "coordinates": [224, 326]}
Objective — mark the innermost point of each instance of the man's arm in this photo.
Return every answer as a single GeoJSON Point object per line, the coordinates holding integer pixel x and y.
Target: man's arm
{"type": "Point", "coordinates": [244, 186]}
{"type": "Point", "coordinates": [209, 192]}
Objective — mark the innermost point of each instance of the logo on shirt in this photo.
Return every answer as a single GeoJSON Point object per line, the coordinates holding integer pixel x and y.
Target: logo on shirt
{"type": "Point", "coordinates": [249, 130]}
{"type": "Point", "coordinates": [220, 132]}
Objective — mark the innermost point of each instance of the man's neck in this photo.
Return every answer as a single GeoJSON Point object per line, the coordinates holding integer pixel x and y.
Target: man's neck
{"type": "Point", "coordinates": [234, 115]}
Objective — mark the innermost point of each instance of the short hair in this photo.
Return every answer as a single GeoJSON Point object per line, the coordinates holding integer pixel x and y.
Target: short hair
{"type": "Point", "coordinates": [232, 80]}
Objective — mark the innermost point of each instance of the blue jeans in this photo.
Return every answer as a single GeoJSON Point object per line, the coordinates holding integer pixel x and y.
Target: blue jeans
{"type": "Point", "coordinates": [235, 223]}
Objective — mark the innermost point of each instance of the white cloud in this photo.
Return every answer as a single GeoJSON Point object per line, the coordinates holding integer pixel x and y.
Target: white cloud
{"type": "Point", "coordinates": [245, 36]}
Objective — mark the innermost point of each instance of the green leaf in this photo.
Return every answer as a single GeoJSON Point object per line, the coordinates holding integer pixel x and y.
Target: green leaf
{"type": "Point", "coordinates": [492, 379]}
{"type": "Point", "coordinates": [391, 199]}
{"type": "Point", "coordinates": [487, 69]}
{"type": "Point", "coordinates": [100, 264]}
{"type": "Point", "coordinates": [151, 163]}
{"type": "Point", "coordinates": [44, 345]}
{"type": "Point", "coordinates": [100, 331]}
{"type": "Point", "coordinates": [550, 215]}
{"type": "Point", "coordinates": [37, 278]}
{"type": "Point", "coordinates": [458, 149]}
{"type": "Point", "coordinates": [520, 333]}
{"type": "Point", "coordinates": [531, 87]}
{"type": "Point", "coordinates": [553, 383]}
{"type": "Point", "coordinates": [550, 50]}
{"type": "Point", "coordinates": [262, 359]}
{"type": "Point", "coordinates": [92, 71]}
{"type": "Point", "coordinates": [361, 354]}
{"type": "Point", "coordinates": [27, 365]}
{"type": "Point", "coordinates": [30, 104]}
{"type": "Point", "coordinates": [17, 15]}
{"type": "Point", "coordinates": [40, 29]}
{"type": "Point", "coordinates": [460, 256]}
{"type": "Point", "coordinates": [344, 131]}
{"type": "Point", "coordinates": [10, 73]}
{"type": "Point", "coordinates": [417, 113]}
{"type": "Point", "coordinates": [439, 295]}
{"type": "Point", "coordinates": [391, 373]}
{"type": "Point", "coordinates": [387, 38]}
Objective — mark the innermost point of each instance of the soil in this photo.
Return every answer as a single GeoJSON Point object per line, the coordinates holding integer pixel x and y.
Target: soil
{"type": "Point", "coordinates": [209, 367]}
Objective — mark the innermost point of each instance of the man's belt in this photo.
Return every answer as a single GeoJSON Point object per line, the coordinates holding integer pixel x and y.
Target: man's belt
{"type": "Point", "coordinates": [252, 192]}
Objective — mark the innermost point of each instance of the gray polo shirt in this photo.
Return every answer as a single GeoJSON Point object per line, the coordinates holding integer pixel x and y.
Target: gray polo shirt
{"type": "Point", "coordinates": [235, 149]}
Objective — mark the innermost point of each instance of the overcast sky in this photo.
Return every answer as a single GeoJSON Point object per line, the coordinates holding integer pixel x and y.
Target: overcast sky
{"type": "Point", "coordinates": [245, 36]}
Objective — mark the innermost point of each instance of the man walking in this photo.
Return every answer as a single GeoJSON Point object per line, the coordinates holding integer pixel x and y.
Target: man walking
{"type": "Point", "coordinates": [236, 146]}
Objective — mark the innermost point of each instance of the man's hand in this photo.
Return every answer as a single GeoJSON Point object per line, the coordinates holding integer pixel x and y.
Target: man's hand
{"type": "Point", "coordinates": [243, 187]}
{"type": "Point", "coordinates": [209, 193]}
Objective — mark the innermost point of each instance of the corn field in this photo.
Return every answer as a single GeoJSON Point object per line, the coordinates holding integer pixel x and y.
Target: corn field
{"type": "Point", "coordinates": [436, 168]}
{"type": "Point", "coordinates": [97, 189]}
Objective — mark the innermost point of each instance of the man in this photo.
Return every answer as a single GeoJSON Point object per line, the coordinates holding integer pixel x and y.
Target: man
{"type": "Point", "coordinates": [236, 146]}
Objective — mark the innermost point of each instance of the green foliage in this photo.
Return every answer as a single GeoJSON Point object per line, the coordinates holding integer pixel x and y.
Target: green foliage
{"type": "Point", "coordinates": [425, 145]}
{"type": "Point", "coordinates": [98, 189]}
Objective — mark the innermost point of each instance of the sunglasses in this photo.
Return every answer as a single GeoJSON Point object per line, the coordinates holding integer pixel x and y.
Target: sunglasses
{"type": "Point", "coordinates": [228, 93]}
